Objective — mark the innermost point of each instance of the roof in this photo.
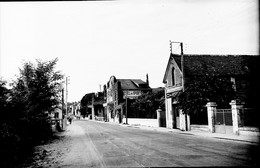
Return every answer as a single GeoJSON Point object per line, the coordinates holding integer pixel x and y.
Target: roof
{"type": "Point", "coordinates": [217, 64]}
{"type": "Point", "coordinates": [133, 84]}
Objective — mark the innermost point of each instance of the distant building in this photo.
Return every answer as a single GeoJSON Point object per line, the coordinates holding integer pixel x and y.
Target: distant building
{"type": "Point", "coordinates": [74, 108]}
{"type": "Point", "coordinates": [120, 92]}
{"type": "Point", "coordinates": [97, 106]}
{"type": "Point", "coordinates": [240, 69]}
{"type": "Point", "coordinates": [58, 113]}
{"type": "Point", "coordinates": [91, 106]}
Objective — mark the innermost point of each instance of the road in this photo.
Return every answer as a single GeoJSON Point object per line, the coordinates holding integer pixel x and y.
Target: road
{"type": "Point", "coordinates": [97, 144]}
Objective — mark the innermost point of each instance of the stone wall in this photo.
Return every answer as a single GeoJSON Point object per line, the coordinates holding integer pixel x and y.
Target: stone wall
{"type": "Point", "coordinates": [142, 121]}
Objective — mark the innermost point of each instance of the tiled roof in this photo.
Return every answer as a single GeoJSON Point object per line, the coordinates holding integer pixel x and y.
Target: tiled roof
{"type": "Point", "coordinates": [133, 84]}
{"type": "Point", "coordinates": [139, 82]}
{"type": "Point", "coordinates": [218, 64]}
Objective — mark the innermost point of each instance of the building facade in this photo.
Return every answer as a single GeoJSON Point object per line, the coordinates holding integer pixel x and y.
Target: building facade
{"type": "Point", "coordinates": [240, 69]}
{"type": "Point", "coordinates": [91, 106]}
{"type": "Point", "coordinates": [119, 95]}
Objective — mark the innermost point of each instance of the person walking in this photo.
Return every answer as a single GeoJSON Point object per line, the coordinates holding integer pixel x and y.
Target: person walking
{"type": "Point", "coordinates": [70, 119]}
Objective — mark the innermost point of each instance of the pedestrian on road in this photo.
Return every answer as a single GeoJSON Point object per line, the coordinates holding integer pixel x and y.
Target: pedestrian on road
{"type": "Point", "coordinates": [70, 119]}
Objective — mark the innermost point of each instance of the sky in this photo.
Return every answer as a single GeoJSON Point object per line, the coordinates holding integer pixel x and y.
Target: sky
{"type": "Point", "coordinates": [94, 40]}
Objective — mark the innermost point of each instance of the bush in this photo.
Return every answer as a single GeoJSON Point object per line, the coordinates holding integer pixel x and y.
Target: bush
{"type": "Point", "coordinates": [25, 110]}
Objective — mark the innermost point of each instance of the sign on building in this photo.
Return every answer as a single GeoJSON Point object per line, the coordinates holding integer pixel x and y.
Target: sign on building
{"type": "Point", "coordinates": [133, 94]}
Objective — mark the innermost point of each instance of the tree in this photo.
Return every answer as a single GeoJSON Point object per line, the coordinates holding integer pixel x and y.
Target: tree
{"type": "Point", "coordinates": [35, 95]}
{"type": "Point", "coordinates": [146, 105]}
{"type": "Point", "coordinates": [25, 107]}
{"type": "Point", "coordinates": [201, 89]}
{"type": "Point", "coordinates": [3, 95]}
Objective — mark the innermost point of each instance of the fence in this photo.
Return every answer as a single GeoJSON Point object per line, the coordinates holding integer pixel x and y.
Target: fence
{"type": "Point", "coordinates": [223, 117]}
{"type": "Point", "coordinates": [236, 120]}
{"type": "Point", "coordinates": [223, 121]}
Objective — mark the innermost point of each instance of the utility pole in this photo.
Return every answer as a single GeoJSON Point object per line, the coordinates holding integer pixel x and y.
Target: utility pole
{"type": "Point", "coordinates": [182, 69]}
{"type": "Point", "coordinates": [66, 105]}
{"type": "Point", "coordinates": [126, 109]}
{"type": "Point", "coordinates": [66, 96]}
{"type": "Point", "coordinates": [182, 60]}
{"type": "Point", "coordinates": [62, 107]}
{"type": "Point", "coordinates": [182, 65]}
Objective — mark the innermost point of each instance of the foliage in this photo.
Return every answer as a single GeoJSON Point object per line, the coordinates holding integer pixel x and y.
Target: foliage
{"type": "Point", "coordinates": [3, 95]}
{"type": "Point", "coordinates": [202, 89]}
{"type": "Point", "coordinates": [26, 107]}
{"type": "Point", "coordinates": [146, 105]}
{"type": "Point", "coordinates": [37, 91]}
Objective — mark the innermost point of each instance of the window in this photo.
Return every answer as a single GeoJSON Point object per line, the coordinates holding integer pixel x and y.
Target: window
{"type": "Point", "coordinates": [173, 77]}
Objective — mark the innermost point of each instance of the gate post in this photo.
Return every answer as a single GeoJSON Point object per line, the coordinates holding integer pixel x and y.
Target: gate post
{"type": "Point", "coordinates": [161, 118]}
{"type": "Point", "coordinates": [184, 121]}
{"type": "Point", "coordinates": [236, 106]}
{"type": "Point", "coordinates": [211, 109]}
{"type": "Point", "coordinates": [93, 112]}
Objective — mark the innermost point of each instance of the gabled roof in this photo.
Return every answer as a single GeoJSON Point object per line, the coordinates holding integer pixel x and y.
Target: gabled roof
{"type": "Point", "coordinates": [139, 83]}
{"type": "Point", "coordinates": [167, 68]}
{"type": "Point", "coordinates": [133, 84]}
{"type": "Point", "coordinates": [217, 64]}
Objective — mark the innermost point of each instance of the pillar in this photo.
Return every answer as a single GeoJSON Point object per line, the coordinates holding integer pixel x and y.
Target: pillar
{"type": "Point", "coordinates": [158, 111]}
{"type": "Point", "coordinates": [211, 109]}
{"type": "Point", "coordinates": [236, 108]}
{"type": "Point", "coordinates": [184, 121]}
{"type": "Point", "coordinates": [92, 108]}
{"type": "Point", "coordinates": [169, 113]}
{"type": "Point", "coordinates": [161, 118]}
{"type": "Point", "coordinates": [93, 112]}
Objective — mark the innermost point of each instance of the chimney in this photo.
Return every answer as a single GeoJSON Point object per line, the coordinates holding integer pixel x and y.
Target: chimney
{"type": "Point", "coordinates": [147, 79]}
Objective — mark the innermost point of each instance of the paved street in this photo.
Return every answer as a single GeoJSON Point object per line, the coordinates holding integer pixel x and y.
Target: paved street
{"type": "Point", "coordinates": [97, 144]}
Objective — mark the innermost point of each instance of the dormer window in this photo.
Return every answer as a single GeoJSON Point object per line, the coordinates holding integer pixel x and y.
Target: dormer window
{"type": "Point", "coordinates": [173, 77]}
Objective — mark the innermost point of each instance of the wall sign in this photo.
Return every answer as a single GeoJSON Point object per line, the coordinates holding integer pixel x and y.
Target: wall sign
{"type": "Point", "coordinates": [132, 94]}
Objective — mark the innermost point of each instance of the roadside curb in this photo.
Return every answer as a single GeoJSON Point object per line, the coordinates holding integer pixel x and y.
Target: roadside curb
{"type": "Point", "coordinates": [248, 141]}
{"type": "Point", "coordinates": [245, 139]}
{"type": "Point", "coordinates": [251, 139]}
